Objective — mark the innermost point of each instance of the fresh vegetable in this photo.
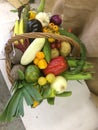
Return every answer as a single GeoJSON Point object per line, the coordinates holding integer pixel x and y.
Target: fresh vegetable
{"type": "Point", "coordinates": [56, 66]}
{"type": "Point", "coordinates": [55, 28]}
{"type": "Point", "coordinates": [31, 51]}
{"type": "Point", "coordinates": [25, 16]}
{"type": "Point", "coordinates": [56, 19]}
{"type": "Point", "coordinates": [39, 60]}
{"type": "Point", "coordinates": [40, 55]}
{"type": "Point", "coordinates": [14, 71]}
{"type": "Point", "coordinates": [42, 81]}
{"type": "Point", "coordinates": [51, 40]}
{"type": "Point", "coordinates": [43, 18]}
{"type": "Point", "coordinates": [32, 15]}
{"type": "Point", "coordinates": [65, 49]}
{"type": "Point", "coordinates": [59, 84]}
{"type": "Point", "coordinates": [35, 61]}
{"type": "Point", "coordinates": [64, 94]}
{"type": "Point", "coordinates": [54, 53]}
{"type": "Point", "coordinates": [53, 45]}
{"type": "Point", "coordinates": [35, 103]}
{"type": "Point", "coordinates": [21, 44]}
{"type": "Point", "coordinates": [58, 44]}
{"type": "Point", "coordinates": [32, 73]}
{"type": "Point", "coordinates": [50, 77]}
{"type": "Point", "coordinates": [47, 51]}
{"type": "Point", "coordinates": [34, 25]}
{"type": "Point", "coordinates": [14, 107]}
{"type": "Point", "coordinates": [21, 26]}
{"type": "Point", "coordinates": [16, 28]}
{"type": "Point", "coordinates": [15, 56]}
{"type": "Point", "coordinates": [73, 63]}
{"type": "Point", "coordinates": [77, 76]}
{"type": "Point", "coordinates": [42, 64]}
{"type": "Point", "coordinates": [41, 6]}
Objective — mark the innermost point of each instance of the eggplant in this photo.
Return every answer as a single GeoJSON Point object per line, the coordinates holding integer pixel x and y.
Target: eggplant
{"type": "Point", "coordinates": [34, 25]}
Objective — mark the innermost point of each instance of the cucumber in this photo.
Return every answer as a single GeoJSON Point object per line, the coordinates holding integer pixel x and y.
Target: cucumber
{"type": "Point", "coordinates": [47, 51]}
{"type": "Point", "coordinates": [31, 51]}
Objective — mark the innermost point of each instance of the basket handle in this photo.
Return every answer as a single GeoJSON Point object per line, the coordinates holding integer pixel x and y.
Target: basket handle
{"type": "Point", "coordinates": [48, 35]}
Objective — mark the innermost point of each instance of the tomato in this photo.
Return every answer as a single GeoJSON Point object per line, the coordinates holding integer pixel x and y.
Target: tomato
{"type": "Point", "coordinates": [53, 45]}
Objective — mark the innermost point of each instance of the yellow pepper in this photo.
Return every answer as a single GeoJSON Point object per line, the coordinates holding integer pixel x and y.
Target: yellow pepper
{"type": "Point", "coordinates": [35, 103]}
{"type": "Point", "coordinates": [42, 64]}
{"type": "Point", "coordinates": [36, 60]}
{"type": "Point", "coordinates": [40, 55]}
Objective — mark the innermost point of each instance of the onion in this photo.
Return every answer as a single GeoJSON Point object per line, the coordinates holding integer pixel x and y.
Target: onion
{"type": "Point", "coordinates": [56, 19]}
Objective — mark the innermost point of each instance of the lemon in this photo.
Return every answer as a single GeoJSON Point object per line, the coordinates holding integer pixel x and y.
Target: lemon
{"type": "Point", "coordinates": [42, 81]}
{"type": "Point", "coordinates": [50, 78]}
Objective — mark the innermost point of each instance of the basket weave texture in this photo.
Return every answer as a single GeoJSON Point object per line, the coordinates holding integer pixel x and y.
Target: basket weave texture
{"type": "Point", "coordinates": [9, 46]}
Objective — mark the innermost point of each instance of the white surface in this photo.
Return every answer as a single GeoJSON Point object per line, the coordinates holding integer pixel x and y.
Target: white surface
{"type": "Point", "coordinates": [71, 113]}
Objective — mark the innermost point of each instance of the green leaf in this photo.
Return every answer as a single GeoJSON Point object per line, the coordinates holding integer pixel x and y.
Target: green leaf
{"type": "Point", "coordinates": [49, 93]}
{"type": "Point", "coordinates": [64, 94]}
{"type": "Point", "coordinates": [21, 108]}
{"type": "Point", "coordinates": [15, 86]}
{"type": "Point", "coordinates": [21, 74]}
{"type": "Point", "coordinates": [13, 104]}
{"type": "Point", "coordinates": [51, 101]}
{"type": "Point", "coordinates": [33, 92]}
{"type": "Point", "coordinates": [11, 107]}
{"type": "Point", "coordinates": [15, 10]}
{"type": "Point", "coordinates": [27, 97]}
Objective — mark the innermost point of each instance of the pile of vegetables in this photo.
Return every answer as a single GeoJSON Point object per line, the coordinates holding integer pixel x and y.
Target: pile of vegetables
{"type": "Point", "coordinates": [41, 67]}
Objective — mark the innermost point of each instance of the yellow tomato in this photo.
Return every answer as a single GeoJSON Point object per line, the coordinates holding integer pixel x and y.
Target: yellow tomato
{"type": "Point", "coordinates": [50, 78]}
{"type": "Point", "coordinates": [42, 81]}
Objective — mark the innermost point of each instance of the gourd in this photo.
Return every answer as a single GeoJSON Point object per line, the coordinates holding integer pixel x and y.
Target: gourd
{"type": "Point", "coordinates": [31, 51]}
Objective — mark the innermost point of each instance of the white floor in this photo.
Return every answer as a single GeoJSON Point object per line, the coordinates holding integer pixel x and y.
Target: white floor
{"type": "Point", "coordinates": [72, 113]}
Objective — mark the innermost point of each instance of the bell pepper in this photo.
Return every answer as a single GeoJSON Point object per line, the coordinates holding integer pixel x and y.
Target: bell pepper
{"type": "Point", "coordinates": [56, 66]}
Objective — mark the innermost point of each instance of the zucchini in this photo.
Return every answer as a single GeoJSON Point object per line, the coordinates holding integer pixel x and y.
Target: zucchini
{"type": "Point", "coordinates": [31, 51]}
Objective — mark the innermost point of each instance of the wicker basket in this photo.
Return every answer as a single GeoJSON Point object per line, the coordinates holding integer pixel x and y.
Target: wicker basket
{"type": "Point", "coordinates": [9, 47]}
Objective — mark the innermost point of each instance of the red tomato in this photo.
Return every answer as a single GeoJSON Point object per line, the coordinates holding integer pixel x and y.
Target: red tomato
{"type": "Point", "coordinates": [58, 45]}
{"type": "Point", "coordinates": [53, 45]}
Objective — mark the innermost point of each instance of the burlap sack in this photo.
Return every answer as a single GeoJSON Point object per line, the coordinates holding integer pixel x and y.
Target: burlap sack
{"type": "Point", "coordinates": [17, 3]}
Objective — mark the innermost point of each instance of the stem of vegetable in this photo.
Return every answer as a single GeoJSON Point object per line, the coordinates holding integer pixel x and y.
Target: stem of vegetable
{"type": "Point", "coordinates": [73, 63]}
{"type": "Point", "coordinates": [79, 76]}
{"type": "Point", "coordinates": [41, 6]}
